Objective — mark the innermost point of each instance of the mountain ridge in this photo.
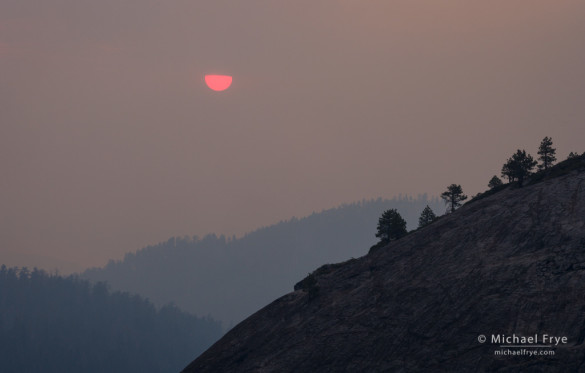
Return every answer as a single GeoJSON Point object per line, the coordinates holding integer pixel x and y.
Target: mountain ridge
{"type": "Point", "coordinates": [228, 279]}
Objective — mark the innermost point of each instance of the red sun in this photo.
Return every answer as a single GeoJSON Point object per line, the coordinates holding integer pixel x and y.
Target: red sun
{"type": "Point", "coordinates": [218, 82]}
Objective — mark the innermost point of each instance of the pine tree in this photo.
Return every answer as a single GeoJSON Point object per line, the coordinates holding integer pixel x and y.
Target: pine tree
{"type": "Point", "coordinates": [454, 196]}
{"type": "Point", "coordinates": [573, 155]}
{"type": "Point", "coordinates": [507, 171]}
{"type": "Point", "coordinates": [546, 153]}
{"type": "Point", "coordinates": [495, 182]}
{"type": "Point", "coordinates": [427, 216]}
{"type": "Point", "coordinates": [518, 167]}
{"type": "Point", "coordinates": [391, 226]}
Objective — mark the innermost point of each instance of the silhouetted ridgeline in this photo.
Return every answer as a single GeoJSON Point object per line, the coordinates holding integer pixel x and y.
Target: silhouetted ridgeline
{"type": "Point", "coordinates": [510, 263]}
{"type": "Point", "coordinates": [230, 279]}
{"type": "Point", "coordinates": [54, 324]}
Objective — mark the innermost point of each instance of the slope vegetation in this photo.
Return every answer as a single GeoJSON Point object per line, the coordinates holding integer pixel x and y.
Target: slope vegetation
{"type": "Point", "coordinates": [54, 324]}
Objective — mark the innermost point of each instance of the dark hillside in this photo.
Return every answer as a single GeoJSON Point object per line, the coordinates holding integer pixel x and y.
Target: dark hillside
{"type": "Point", "coordinates": [510, 264]}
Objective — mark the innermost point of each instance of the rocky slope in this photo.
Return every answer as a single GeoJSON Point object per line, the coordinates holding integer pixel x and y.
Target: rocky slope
{"type": "Point", "coordinates": [510, 263]}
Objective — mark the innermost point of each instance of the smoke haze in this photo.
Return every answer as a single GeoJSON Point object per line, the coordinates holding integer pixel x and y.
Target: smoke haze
{"type": "Point", "coordinates": [110, 140]}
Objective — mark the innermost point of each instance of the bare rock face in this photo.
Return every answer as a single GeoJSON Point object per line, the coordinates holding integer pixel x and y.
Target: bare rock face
{"type": "Point", "coordinates": [511, 264]}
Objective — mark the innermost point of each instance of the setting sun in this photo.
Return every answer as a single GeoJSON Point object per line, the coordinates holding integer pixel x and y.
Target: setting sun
{"type": "Point", "coordinates": [218, 82]}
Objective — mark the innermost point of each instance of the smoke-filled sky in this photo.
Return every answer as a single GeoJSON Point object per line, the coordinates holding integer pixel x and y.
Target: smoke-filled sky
{"type": "Point", "coordinates": [110, 140]}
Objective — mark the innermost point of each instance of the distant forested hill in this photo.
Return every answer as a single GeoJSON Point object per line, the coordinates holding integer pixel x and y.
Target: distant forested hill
{"type": "Point", "coordinates": [231, 279]}
{"type": "Point", "coordinates": [53, 324]}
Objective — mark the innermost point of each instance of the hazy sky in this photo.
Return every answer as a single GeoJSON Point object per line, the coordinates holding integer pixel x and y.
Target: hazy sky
{"type": "Point", "coordinates": [110, 141]}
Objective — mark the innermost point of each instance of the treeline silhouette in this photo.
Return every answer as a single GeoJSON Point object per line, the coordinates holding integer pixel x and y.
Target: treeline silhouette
{"type": "Point", "coordinates": [50, 323]}
{"type": "Point", "coordinates": [517, 169]}
{"type": "Point", "coordinates": [231, 278]}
